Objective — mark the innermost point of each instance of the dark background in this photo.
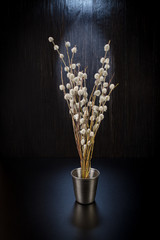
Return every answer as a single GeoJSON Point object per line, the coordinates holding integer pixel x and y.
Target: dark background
{"type": "Point", "coordinates": [37, 144]}
{"type": "Point", "coordinates": [34, 116]}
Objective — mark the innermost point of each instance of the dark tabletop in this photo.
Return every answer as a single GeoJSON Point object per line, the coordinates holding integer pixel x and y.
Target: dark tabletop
{"type": "Point", "coordinates": [37, 201]}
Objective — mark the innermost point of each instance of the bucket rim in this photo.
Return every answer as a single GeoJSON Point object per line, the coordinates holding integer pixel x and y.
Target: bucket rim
{"type": "Point", "coordinates": [85, 179]}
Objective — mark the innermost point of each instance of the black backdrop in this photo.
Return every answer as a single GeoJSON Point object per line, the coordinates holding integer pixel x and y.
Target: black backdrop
{"type": "Point", "coordinates": [36, 196]}
{"type": "Point", "coordinates": [34, 117]}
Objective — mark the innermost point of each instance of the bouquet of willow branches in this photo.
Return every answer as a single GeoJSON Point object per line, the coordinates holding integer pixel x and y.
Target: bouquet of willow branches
{"type": "Point", "coordinates": [86, 115]}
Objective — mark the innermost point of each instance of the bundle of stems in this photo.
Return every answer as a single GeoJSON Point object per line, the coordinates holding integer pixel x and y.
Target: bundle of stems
{"type": "Point", "coordinates": [86, 113]}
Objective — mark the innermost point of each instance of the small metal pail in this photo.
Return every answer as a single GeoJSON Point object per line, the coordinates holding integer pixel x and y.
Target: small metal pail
{"type": "Point", "coordinates": [85, 188]}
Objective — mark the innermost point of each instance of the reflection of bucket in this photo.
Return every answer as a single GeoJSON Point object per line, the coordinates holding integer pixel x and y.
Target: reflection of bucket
{"type": "Point", "coordinates": [85, 188]}
{"type": "Point", "coordinates": [85, 216]}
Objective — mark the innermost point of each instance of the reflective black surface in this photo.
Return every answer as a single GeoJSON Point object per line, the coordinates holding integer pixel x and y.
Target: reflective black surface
{"type": "Point", "coordinates": [37, 201]}
{"type": "Point", "coordinates": [85, 217]}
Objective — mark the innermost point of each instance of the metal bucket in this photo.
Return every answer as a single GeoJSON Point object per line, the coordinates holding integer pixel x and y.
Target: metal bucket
{"type": "Point", "coordinates": [85, 188]}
